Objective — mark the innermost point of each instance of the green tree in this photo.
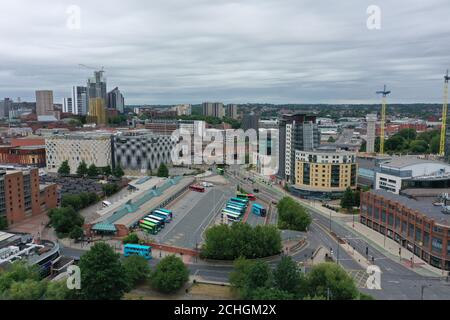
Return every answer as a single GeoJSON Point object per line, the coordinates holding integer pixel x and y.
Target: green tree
{"type": "Point", "coordinates": [110, 188]}
{"type": "Point", "coordinates": [137, 270]}
{"type": "Point", "coordinates": [288, 277]}
{"type": "Point", "coordinates": [418, 146]}
{"type": "Point", "coordinates": [170, 274]}
{"type": "Point", "coordinates": [434, 144]}
{"type": "Point", "coordinates": [107, 171]}
{"type": "Point", "coordinates": [330, 280]}
{"type": "Point", "coordinates": [76, 232]}
{"type": "Point", "coordinates": [18, 272]}
{"type": "Point", "coordinates": [64, 169]}
{"type": "Point", "coordinates": [331, 140]}
{"type": "Point", "coordinates": [347, 200]}
{"type": "Point", "coordinates": [64, 220]}
{"type": "Point", "coordinates": [82, 168]}
{"type": "Point", "coordinates": [93, 171]}
{"type": "Point", "coordinates": [26, 290]}
{"type": "Point", "coordinates": [292, 215]}
{"type": "Point", "coordinates": [118, 172]}
{"type": "Point", "coordinates": [102, 275]}
{"type": "Point", "coordinates": [163, 171]}
{"type": "Point", "coordinates": [131, 238]}
{"type": "Point", "coordinates": [57, 290]}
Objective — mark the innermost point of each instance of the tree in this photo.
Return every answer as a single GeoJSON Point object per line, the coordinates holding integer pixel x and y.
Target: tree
{"type": "Point", "coordinates": [3, 223]}
{"type": "Point", "coordinates": [102, 275]}
{"type": "Point", "coordinates": [110, 188]}
{"type": "Point", "coordinates": [57, 290]}
{"type": "Point", "coordinates": [26, 290]}
{"type": "Point", "coordinates": [137, 270]}
{"type": "Point", "coordinates": [118, 172]}
{"type": "Point", "coordinates": [93, 171]}
{"type": "Point", "coordinates": [76, 233]}
{"type": "Point", "coordinates": [330, 280]}
{"type": "Point", "coordinates": [64, 169]}
{"type": "Point", "coordinates": [107, 171]}
{"type": "Point", "coordinates": [82, 168]}
{"type": "Point", "coordinates": [64, 220]}
{"type": "Point", "coordinates": [292, 215]}
{"type": "Point", "coordinates": [170, 274]}
{"type": "Point", "coordinates": [435, 144]}
{"type": "Point", "coordinates": [163, 171]}
{"type": "Point", "coordinates": [347, 199]}
{"type": "Point", "coordinates": [288, 277]}
{"type": "Point", "coordinates": [131, 238]}
{"type": "Point", "coordinates": [331, 140]}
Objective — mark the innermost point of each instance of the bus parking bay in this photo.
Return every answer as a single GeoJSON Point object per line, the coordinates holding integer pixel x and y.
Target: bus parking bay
{"type": "Point", "coordinates": [192, 214]}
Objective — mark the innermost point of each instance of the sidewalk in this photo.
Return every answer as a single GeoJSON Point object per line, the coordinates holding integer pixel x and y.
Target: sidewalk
{"type": "Point", "coordinates": [390, 248]}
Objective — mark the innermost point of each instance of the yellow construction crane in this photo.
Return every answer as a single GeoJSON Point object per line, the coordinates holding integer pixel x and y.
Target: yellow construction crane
{"type": "Point", "coordinates": [444, 117]}
{"type": "Point", "coordinates": [384, 93]}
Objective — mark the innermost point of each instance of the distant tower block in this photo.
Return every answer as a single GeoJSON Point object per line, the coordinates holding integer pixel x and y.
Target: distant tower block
{"type": "Point", "coordinates": [371, 125]}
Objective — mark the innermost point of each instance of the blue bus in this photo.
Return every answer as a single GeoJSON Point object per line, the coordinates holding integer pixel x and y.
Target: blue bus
{"type": "Point", "coordinates": [166, 216]}
{"type": "Point", "coordinates": [240, 209]}
{"type": "Point", "coordinates": [238, 204]}
{"type": "Point", "coordinates": [238, 200]}
{"type": "Point", "coordinates": [258, 210]}
{"type": "Point", "coordinates": [232, 211]}
{"type": "Point", "coordinates": [161, 220]}
{"type": "Point", "coordinates": [137, 249]}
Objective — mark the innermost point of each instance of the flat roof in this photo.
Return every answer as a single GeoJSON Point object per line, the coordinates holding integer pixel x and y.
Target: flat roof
{"type": "Point", "coordinates": [423, 205]}
{"type": "Point", "coordinates": [401, 162]}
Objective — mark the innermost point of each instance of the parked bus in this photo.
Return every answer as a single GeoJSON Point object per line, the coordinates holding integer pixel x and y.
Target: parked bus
{"type": "Point", "coordinates": [160, 213]}
{"type": "Point", "coordinates": [239, 200]}
{"type": "Point", "coordinates": [161, 220]}
{"type": "Point", "coordinates": [166, 211]}
{"type": "Point", "coordinates": [150, 227]}
{"type": "Point", "coordinates": [231, 211]}
{"type": "Point", "coordinates": [240, 209]}
{"type": "Point", "coordinates": [231, 216]}
{"type": "Point", "coordinates": [236, 204]}
{"type": "Point", "coordinates": [258, 210]}
{"type": "Point", "coordinates": [136, 249]}
{"type": "Point", "coordinates": [158, 223]}
{"type": "Point", "coordinates": [248, 196]}
{"type": "Point", "coordinates": [197, 188]}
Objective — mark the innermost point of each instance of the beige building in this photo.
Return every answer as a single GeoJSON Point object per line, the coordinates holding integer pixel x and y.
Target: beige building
{"type": "Point", "coordinates": [324, 173]}
{"type": "Point", "coordinates": [44, 103]}
{"type": "Point", "coordinates": [92, 147]}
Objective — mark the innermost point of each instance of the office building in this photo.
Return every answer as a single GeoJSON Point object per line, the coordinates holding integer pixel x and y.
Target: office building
{"type": "Point", "coordinates": [213, 109]}
{"type": "Point", "coordinates": [96, 86]}
{"type": "Point", "coordinates": [22, 196]}
{"type": "Point", "coordinates": [296, 132]}
{"type": "Point", "coordinates": [324, 174]}
{"type": "Point", "coordinates": [399, 173]}
{"type": "Point", "coordinates": [250, 121]}
{"type": "Point", "coordinates": [141, 150]}
{"type": "Point", "coordinates": [80, 100]}
{"type": "Point", "coordinates": [419, 223]}
{"type": "Point", "coordinates": [116, 100]}
{"type": "Point", "coordinates": [92, 147]}
{"type": "Point", "coordinates": [44, 103]}
{"type": "Point", "coordinates": [67, 105]}
{"type": "Point", "coordinates": [6, 105]}
{"type": "Point", "coordinates": [97, 111]}
{"type": "Point", "coordinates": [231, 111]}
{"type": "Point", "coordinates": [371, 128]}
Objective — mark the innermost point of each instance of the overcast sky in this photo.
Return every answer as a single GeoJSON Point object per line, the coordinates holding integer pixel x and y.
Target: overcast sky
{"type": "Point", "coordinates": [277, 51]}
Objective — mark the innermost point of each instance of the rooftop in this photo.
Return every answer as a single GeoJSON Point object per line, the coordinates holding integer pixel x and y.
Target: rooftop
{"type": "Point", "coordinates": [405, 161]}
{"type": "Point", "coordinates": [422, 205]}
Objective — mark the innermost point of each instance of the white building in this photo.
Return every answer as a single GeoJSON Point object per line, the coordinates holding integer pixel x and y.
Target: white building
{"type": "Point", "coordinates": [183, 109]}
{"type": "Point", "coordinates": [397, 173]}
{"type": "Point", "coordinates": [67, 106]}
{"type": "Point", "coordinates": [92, 147]}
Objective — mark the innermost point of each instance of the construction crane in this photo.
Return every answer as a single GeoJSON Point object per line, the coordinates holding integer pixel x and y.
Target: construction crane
{"type": "Point", "coordinates": [444, 117]}
{"type": "Point", "coordinates": [384, 94]}
{"type": "Point", "coordinates": [101, 69]}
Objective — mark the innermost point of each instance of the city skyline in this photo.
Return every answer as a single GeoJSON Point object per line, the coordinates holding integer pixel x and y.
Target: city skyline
{"type": "Point", "coordinates": [169, 53]}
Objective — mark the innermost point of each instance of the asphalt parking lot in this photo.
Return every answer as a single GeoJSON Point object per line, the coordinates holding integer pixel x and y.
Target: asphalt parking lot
{"type": "Point", "coordinates": [192, 214]}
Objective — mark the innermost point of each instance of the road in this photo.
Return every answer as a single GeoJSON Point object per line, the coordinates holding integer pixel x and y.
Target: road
{"type": "Point", "coordinates": [398, 282]}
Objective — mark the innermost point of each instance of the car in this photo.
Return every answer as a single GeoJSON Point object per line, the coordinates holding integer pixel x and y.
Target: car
{"type": "Point", "coordinates": [255, 190]}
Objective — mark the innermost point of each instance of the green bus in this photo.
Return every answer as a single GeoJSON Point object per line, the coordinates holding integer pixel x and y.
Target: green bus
{"type": "Point", "coordinates": [149, 226]}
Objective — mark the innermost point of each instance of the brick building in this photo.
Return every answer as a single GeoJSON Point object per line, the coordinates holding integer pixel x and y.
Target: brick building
{"type": "Point", "coordinates": [22, 195]}
{"type": "Point", "coordinates": [418, 223]}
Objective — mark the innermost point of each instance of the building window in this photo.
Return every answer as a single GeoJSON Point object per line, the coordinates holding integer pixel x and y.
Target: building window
{"type": "Point", "coordinates": [436, 245]}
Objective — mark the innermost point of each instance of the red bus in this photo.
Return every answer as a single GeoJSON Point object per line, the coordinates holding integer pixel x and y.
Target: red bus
{"type": "Point", "coordinates": [197, 188]}
{"type": "Point", "coordinates": [248, 196]}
